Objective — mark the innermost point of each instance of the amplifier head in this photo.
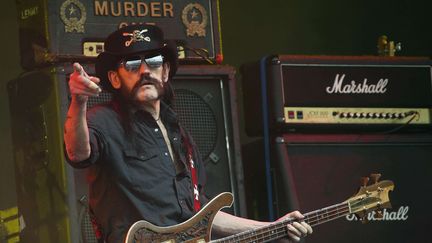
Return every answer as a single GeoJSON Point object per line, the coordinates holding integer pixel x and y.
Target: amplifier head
{"type": "Point", "coordinates": [338, 91]}
{"type": "Point", "coordinates": [55, 30]}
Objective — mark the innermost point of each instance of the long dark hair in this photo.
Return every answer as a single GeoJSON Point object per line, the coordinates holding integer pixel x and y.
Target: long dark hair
{"type": "Point", "coordinates": [124, 108]}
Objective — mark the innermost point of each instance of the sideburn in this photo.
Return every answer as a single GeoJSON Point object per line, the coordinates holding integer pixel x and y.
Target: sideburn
{"type": "Point", "coordinates": [168, 97]}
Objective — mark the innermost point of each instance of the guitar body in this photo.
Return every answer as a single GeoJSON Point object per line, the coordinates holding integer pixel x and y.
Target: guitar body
{"type": "Point", "coordinates": [196, 229]}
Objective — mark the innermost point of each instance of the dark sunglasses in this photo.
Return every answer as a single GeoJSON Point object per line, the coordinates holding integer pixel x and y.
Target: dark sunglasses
{"type": "Point", "coordinates": [133, 64]}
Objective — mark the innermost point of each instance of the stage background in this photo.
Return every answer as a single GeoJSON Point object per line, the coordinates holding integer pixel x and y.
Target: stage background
{"type": "Point", "coordinates": [252, 29]}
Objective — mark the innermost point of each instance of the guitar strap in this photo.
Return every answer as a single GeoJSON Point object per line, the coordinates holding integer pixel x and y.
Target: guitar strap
{"type": "Point", "coordinates": [197, 204]}
{"type": "Point", "coordinates": [192, 169]}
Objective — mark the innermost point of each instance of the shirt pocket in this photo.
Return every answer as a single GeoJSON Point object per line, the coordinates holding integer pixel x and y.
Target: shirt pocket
{"type": "Point", "coordinates": [133, 155]}
{"type": "Point", "coordinates": [142, 168]}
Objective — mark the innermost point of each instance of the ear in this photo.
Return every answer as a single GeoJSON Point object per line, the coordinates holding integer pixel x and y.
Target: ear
{"type": "Point", "coordinates": [114, 79]}
{"type": "Point", "coordinates": [165, 72]}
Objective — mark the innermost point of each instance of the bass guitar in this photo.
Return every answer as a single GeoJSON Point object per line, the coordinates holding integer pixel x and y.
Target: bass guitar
{"type": "Point", "coordinates": [197, 229]}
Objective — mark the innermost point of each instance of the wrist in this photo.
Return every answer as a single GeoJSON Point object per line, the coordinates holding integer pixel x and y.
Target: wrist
{"type": "Point", "coordinates": [80, 100]}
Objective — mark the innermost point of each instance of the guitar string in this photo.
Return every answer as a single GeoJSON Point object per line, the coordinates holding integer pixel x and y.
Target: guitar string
{"type": "Point", "coordinates": [274, 232]}
{"type": "Point", "coordinates": [312, 218]}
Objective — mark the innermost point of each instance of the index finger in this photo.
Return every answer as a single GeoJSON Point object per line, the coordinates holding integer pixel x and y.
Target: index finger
{"type": "Point", "coordinates": [78, 68]}
{"type": "Point", "coordinates": [295, 214]}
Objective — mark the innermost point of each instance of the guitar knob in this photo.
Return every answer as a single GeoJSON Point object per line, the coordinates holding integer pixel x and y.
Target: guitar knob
{"type": "Point", "coordinates": [379, 214]}
{"type": "Point", "coordinates": [364, 181]}
{"type": "Point", "coordinates": [375, 177]}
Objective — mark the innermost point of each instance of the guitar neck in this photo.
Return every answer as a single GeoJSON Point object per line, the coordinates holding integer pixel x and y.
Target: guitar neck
{"type": "Point", "coordinates": [279, 229]}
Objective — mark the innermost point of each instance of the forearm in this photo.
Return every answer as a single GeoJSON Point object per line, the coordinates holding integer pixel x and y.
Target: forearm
{"type": "Point", "coordinates": [76, 135]}
{"type": "Point", "coordinates": [225, 224]}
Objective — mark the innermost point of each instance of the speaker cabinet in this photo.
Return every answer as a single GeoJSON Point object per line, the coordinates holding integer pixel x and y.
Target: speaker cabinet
{"type": "Point", "coordinates": [315, 171]}
{"type": "Point", "coordinates": [52, 197]}
{"type": "Point", "coordinates": [47, 196]}
{"type": "Point", "coordinates": [206, 103]}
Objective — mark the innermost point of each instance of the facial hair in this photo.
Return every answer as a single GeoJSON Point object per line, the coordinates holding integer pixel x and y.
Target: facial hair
{"type": "Point", "coordinates": [146, 80]}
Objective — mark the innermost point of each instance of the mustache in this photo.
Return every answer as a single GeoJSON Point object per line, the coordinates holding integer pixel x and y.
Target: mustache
{"type": "Point", "coordinates": [145, 79]}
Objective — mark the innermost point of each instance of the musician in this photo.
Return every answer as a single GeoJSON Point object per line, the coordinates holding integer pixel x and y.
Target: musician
{"type": "Point", "coordinates": [141, 163]}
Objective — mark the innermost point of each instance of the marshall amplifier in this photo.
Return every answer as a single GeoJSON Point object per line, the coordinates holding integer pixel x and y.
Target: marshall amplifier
{"type": "Point", "coordinates": [59, 30]}
{"type": "Point", "coordinates": [313, 171]}
{"type": "Point", "coordinates": [295, 93]}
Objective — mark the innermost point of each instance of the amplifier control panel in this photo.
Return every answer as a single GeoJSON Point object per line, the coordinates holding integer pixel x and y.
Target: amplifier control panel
{"type": "Point", "coordinates": [351, 115]}
{"type": "Point", "coordinates": [92, 48]}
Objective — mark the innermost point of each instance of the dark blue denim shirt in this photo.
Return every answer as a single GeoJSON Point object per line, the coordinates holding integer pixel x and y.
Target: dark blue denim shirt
{"type": "Point", "coordinates": [131, 174]}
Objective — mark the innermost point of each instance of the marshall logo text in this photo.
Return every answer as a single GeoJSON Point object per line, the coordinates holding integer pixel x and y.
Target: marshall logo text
{"type": "Point", "coordinates": [400, 215]}
{"type": "Point", "coordinates": [356, 87]}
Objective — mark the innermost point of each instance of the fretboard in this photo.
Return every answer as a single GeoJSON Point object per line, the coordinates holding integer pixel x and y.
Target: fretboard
{"type": "Point", "coordinates": [278, 230]}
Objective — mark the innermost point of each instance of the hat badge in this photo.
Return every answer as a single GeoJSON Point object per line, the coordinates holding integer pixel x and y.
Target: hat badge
{"type": "Point", "coordinates": [136, 36]}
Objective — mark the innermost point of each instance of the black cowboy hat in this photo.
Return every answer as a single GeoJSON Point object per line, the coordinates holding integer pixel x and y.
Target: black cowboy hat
{"type": "Point", "coordinates": [133, 40]}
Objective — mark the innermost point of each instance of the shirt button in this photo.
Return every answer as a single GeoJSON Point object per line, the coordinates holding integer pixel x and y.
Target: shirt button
{"type": "Point", "coordinates": [156, 130]}
{"type": "Point", "coordinates": [175, 138]}
{"type": "Point", "coordinates": [166, 154]}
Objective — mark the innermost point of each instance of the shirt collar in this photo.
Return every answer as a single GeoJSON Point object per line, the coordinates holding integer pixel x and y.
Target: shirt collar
{"type": "Point", "coordinates": [166, 112]}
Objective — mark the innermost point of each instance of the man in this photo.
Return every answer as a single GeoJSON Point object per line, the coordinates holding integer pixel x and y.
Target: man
{"type": "Point", "coordinates": [141, 163]}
